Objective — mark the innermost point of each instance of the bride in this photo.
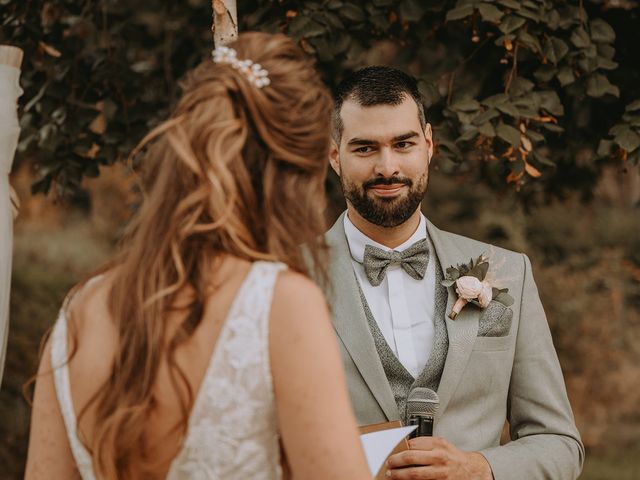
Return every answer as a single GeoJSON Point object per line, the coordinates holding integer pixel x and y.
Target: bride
{"type": "Point", "coordinates": [203, 350]}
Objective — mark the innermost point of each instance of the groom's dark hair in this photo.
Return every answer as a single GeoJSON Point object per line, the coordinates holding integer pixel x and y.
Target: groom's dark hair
{"type": "Point", "coordinates": [375, 85]}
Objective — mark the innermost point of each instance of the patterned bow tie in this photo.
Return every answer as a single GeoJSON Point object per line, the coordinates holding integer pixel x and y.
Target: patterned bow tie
{"type": "Point", "coordinates": [413, 260]}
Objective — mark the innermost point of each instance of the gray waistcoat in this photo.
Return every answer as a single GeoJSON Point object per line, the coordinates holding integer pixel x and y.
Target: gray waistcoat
{"type": "Point", "coordinates": [400, 380]}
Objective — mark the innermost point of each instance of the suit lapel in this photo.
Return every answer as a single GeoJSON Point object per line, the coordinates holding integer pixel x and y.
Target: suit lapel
{"type": "Point", "coordinates": [462, 331]}
{"type": "Point", "coordinates": [350, 322]}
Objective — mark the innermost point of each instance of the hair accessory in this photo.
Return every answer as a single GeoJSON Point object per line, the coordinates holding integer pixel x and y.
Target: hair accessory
{"type": "Point", "coordinates": [254, 72]}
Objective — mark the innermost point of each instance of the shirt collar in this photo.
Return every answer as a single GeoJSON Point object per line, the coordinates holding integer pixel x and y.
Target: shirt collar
{"type": "Point", "coordinates": [358, 240]}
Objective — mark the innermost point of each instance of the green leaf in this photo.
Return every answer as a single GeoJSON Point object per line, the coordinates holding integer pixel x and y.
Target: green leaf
{"type": "Point", "coordinates": [598, 85]}
{"type": "Point", "coordinates": [565, 76]}
{"type": "Point", "coordinates": [508, 134]}
{"type": "Point", "coordinates": [459, 13]}
{"type": "Point", "coordinates": [545, 73]}
{"type": "Point", "coordinates": [606, 50]}
{"type": "Point", "coordinates": [379, 21]}
{"type": "Point", "coordinates": [633, 106]}
{"type": "Point", "coordinates": [606, 64]}
{"type": "Point", "coordinates": [490, 13]}
{"type": "Point", "coordinates": [487, 130]}
{"type": "Point", "coordinates": [510, 4]}
{"type": "Point", "coordinates": [330, 19]}
{"type": "Point", "coordinates": [303, 26]}
{"type": "Point", "coordinates": [529, 41]}
{"type": "Point", "coordinates": [520, 86]}
{"type": "Point", "coordinates": [628, 139]}
{"type": "Point", "coordinates": [530, 14]}
{"type": "Point", "coordinates": [323, 48]}
{"type": "Point", "coordinates": [605, 147]}
{"type": "Point", "coordinates": [453, 273]}
{"type": "Point", "coordinates": [463, 269]}
{"type": "Point", "coordinates": [509, 109]}
{"type": "Point", "coordinates": [504, 298]}
{"type": "Point", "coordinates": [429, 92]}
{"type": "Point", "coordinates": [480, 271]}
{"type": "Point", "coordinates": [512, 22]}
{"type": "Point", "coordinates": [535, 136]}
{"type": "Point", "coordinates": [601, 31]}
{"type": "Point", "coordinates": [447, 283]}
{"type": "Point", "coordinates": [617, 129]}
{"type": "Point", "coordinates": [411, 10]}
{"type": "Point", "coordinates": [450, 146]}
{"type": "Point", "coordinates": [468, 135]}
{"type": "Point", "coordinates": [466, 105]}
{"type": "Point", "coordinates": [550, 101]}
{"type": "Point", "coordinates": [542, 159]}
{"type": "Point", "coordinates": [495, 100]}
{"type": "Point", "coordinates": [552, 127]}
{"type": "Point", "coordinates": [352, 12]}
{"type": "Point", "coordinates": [555, 49]}
{"type": "Point", "coordinates": [580, 38]}
{"type": "Point", "coordinates": [486, 116]}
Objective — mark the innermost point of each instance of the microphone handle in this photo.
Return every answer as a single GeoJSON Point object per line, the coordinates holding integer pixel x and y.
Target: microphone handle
{"type": "Point", "coordinates": [424, 423]}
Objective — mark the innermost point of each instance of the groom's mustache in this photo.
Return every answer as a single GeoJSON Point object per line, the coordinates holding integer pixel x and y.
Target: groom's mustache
{"type": "Point", "coordinates": [387, 181]}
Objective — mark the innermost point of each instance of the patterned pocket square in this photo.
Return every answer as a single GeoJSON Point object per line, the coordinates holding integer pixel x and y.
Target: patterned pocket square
{"type": "Point", "coordinates": [495, 320]}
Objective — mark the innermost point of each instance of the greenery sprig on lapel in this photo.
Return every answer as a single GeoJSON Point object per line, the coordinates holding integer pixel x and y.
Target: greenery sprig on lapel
{"type": "Point", "coordinates": [472, 286]}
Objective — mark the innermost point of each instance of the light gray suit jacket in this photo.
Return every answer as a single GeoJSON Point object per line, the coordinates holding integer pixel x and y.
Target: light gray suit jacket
{"type": "Point", "coordinates": [486, 379]}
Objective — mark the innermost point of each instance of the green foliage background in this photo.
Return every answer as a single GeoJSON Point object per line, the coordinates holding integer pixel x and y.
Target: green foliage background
{"type": "Point", "coordinates": [534, 103]}
{"type": "Point", "coordinates": [534, 95]}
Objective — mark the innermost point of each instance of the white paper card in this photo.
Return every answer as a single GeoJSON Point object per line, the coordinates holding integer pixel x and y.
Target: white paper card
{"type": "Point", "coordinates": [378, 445]}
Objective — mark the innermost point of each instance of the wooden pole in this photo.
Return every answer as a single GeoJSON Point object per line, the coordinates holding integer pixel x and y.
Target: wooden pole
{"type": "Point", "coordinates": [11, 56]}
{"type": "Point", "coordinates": [225, 21]}
{"type": "Point", "coordinates": [10, 63]}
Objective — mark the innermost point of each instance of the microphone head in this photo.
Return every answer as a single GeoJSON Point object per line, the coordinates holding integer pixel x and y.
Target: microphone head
{"type": "Point", "coordinates": [422, 402]}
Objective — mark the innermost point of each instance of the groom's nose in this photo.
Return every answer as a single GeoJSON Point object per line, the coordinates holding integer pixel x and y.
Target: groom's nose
{"type": "Point", "coordinates": [387, 163]}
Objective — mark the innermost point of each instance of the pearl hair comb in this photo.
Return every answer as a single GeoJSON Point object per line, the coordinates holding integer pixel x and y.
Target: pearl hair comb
{"type": "Point", "coordinates": [255, 73]}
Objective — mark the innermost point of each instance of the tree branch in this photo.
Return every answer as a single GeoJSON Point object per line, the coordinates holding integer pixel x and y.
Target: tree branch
{"type": "Point", "coordinates": [514, 69]}
{"type": "Point", "coordinates": [225, 21]}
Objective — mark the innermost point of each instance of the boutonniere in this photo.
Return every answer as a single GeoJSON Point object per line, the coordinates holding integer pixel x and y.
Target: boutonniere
{"type": "Point", "coordinates": [472, 286]}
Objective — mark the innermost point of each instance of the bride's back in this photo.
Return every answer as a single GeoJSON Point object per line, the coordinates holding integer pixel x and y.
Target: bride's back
{"type": "Point", "coordinates": [233, 185]}
{"type": "Point", "coordinates": [96, 342]}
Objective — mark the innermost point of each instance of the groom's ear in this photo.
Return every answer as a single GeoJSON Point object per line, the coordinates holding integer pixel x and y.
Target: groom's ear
{"type": "Point", "coordinates": [334, 157]}
{"type": "Point", "coordinates": [428, 136]}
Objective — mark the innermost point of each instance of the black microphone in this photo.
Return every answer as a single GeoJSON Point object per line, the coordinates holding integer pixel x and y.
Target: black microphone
{"type": "Point", "coordinates": [422, 405]}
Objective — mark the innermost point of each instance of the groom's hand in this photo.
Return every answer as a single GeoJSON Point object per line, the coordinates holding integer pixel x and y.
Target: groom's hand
{"type": "Point", "coordinates": [437, 458]}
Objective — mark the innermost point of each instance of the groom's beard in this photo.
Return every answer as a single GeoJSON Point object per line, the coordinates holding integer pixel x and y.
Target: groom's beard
{"type": "Point", "coordinates": [385, 212]}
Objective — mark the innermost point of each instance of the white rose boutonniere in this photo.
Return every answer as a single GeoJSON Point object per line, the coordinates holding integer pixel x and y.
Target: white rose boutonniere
{"type": "Point", "coordinates": [472, 286]}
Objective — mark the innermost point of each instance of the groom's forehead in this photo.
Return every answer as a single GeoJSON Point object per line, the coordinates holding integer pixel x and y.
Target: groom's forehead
{"type": "Point", "coordinates": [379, 121]}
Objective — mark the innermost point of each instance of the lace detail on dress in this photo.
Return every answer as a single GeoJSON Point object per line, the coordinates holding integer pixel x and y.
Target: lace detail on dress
{"type": "Point", "coordinates": [232, 431]}
{"type": "Point", "coordinates": [233, 428]}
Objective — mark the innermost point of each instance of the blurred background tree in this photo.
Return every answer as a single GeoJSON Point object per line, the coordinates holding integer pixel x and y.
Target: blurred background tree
{"type": "Point", "coordinates": [536, 116]}
{"type": "Point", "coordinates": [524, 94]}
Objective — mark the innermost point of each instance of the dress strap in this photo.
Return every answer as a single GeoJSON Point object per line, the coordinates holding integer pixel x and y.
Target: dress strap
{"type": "Point", "coordinates": [60, 366]}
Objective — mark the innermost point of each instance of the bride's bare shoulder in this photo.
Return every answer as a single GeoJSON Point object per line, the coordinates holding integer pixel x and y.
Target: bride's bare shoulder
{"type": "Point", "coordinates": [295, 287]}
{"type": "Point", "coordinates": [298, 302]}
{"type": "Point", "coordinates": [90, 297]}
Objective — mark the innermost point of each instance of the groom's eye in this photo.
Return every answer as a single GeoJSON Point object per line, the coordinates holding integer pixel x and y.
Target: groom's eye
{"type": "Point", "coordinates": [403, 145]}
{"type": "Point", "coordinates": [365, 149]}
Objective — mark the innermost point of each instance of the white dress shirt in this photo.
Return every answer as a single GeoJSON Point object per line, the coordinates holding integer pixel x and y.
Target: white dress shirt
{"type": "Point", "coordinates": [402, 306]}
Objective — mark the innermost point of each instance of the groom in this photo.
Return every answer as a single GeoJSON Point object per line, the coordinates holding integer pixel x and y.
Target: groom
{"type": "Point", "coordinates": [391, 311]}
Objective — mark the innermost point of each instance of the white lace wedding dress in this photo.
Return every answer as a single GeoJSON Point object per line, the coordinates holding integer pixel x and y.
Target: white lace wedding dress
{"type": "Point", "coordinates": [232, 432]}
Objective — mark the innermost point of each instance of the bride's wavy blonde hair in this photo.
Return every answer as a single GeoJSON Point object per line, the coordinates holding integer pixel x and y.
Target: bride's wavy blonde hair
{"type": "Point", "coordinates": [235, 170]}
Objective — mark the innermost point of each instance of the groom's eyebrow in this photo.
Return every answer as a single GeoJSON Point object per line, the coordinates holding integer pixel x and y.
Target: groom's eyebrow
{"type": "Point", "coordinates": [405, 136]}
{"type": "Point", "coordinates": [397, 138]}
{"type": "Point", "coordinates": [362, 141]}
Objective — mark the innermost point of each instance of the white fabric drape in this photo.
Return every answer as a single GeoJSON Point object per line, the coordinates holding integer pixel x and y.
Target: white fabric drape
{"type": "Point", "coordinates": [9, 132]}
